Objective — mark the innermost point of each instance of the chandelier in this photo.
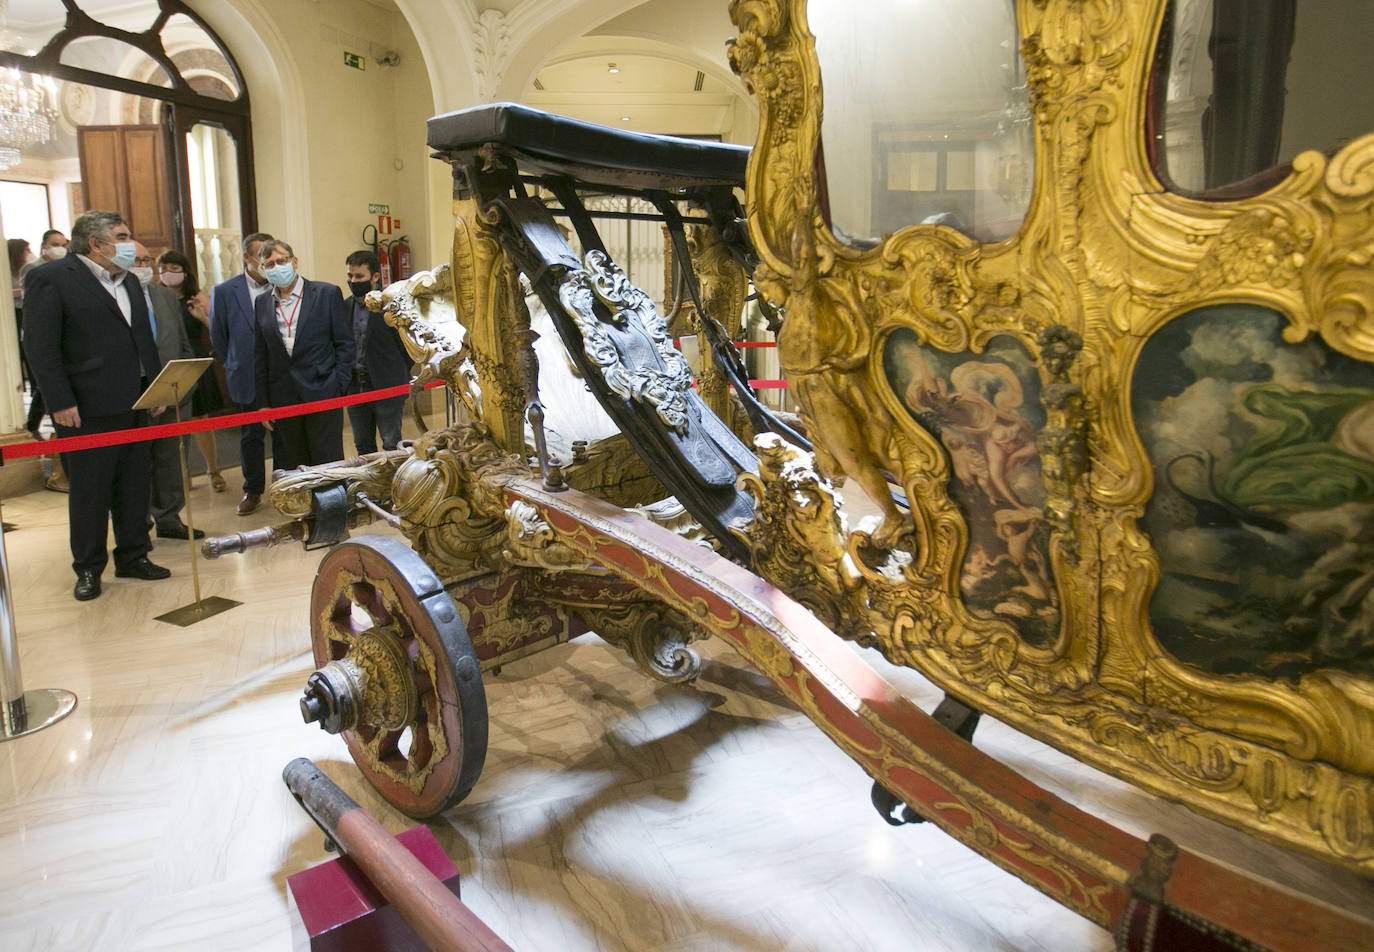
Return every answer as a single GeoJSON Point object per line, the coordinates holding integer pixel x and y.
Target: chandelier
{"type": "Point", "coordinates": [26, 118]}
{"type": "Point", "coordinates": [26, 115]}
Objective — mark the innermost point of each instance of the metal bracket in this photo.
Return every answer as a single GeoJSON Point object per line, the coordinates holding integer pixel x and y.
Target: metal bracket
{"type": "Point", "coordinates": [328, 517]}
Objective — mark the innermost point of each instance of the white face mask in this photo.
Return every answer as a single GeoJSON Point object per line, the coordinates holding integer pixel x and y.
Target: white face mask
{"type": "Point", "coordinates": [53, 252]}
{"type": "Point", "coordinates": [144, 275]}
{"type": "Point", "coordinates": [173, 279]}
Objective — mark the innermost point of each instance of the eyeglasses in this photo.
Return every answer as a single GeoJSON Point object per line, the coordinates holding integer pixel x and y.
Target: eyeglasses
{"type": "Point", "coordinates": [144, 262]}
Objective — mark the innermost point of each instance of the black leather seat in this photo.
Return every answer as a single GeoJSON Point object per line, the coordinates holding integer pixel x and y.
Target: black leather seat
{"type": "Point", "coordinates": [592, 154]}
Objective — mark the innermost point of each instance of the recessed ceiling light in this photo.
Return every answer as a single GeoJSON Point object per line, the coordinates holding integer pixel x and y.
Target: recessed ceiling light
{"type": "Point", "coordinates": [624, 118]}
{"type": "Point", "coordinates": [612, 68]}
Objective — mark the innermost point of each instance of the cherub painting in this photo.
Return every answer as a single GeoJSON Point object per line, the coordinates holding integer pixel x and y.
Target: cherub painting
{"type": "Point", "coordinates": [984, 409]}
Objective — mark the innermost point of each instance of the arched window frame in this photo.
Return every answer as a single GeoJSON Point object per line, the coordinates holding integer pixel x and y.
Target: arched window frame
{"type": "Point", "coordinates": [186, 107]}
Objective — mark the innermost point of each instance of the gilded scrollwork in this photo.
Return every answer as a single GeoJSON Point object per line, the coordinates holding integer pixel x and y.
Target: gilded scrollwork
{"type": "Point", "coordinates": [530, 542]}
{"type": "Point", "coordinates": [448, 493]}
{"type": "Point", "coordinates": [653, 634]}
{"type": "Point", "coordinates": [422, 309]}
{"type": "Point", "coordinates": [481, 292]}
{"type": "Point", "coordinates": [797, 538]}
{"type": "Point", "coordinates": [723, 288]}
{"type": "Point", "coordinates": [1108, 257]}
{"type": "Point", "coordinates": [292, 493]}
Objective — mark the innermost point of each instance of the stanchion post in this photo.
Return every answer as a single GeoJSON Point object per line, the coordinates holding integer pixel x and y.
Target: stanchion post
{"type": "Point", "coordinates": [22, 712]}
{"type": "Point", "coordinates": [186, 495]}
{"type": "Point", "coordinates": [168, 386]}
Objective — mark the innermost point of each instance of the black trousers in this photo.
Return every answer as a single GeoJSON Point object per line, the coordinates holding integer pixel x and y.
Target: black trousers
{"type": "Point", "coordinates": [369, 419]}
{"type": "Point", "coordinates": [108, 484]}
{"type": "Point", "coordinates": [253, 454]}
{"type": "Point", "coordinates": [307, 440]}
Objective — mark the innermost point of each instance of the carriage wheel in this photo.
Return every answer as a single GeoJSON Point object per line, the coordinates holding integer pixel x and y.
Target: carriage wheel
{"type": "Point", "coordinates": [397, 675]}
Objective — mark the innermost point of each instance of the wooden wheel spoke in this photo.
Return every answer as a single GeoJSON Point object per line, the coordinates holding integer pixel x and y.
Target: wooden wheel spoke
{"type": "Point", "coordinates": [421, 746]}
{"type": "Point", "coordinates": [388, 748]}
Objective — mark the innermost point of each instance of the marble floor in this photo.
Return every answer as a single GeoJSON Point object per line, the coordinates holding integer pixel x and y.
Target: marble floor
{"type": "Point", "coordinates": [614, 813]}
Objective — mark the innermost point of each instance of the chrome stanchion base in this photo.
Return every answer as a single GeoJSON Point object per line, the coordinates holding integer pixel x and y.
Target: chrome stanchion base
{"type": "Point", "coordinates": [34, 711]}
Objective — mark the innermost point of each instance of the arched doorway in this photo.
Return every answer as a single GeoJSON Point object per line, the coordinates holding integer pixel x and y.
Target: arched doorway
{"type": "Point", "coordinates": [136, 107]}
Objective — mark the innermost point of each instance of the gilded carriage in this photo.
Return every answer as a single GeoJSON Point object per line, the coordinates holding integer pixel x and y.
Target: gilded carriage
{"type": "Point", "coordinates": [1101, 363]}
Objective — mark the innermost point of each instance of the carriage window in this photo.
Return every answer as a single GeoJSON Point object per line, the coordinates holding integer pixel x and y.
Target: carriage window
{"type": "Point", "coordinates": [1244, 86]}
{"type": "Point", "coordinates": [926, 119]}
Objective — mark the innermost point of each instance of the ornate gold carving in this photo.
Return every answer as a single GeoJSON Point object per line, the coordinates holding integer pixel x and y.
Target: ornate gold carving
{"type": "Point", "coordinates": [797, 538]}
{"type": "Point", "coordinates": [291, 494]}
{"type": "Point", "coordinates": [1108, 255]}
{"type": "Point", "coordinates": [653, 634]}
{"type": "Point", "coordinates": [1063, 443]}
{"type": "Point", "coordinates": [603, 281]}
{"type": "Point", "coordinates": [532, 543]}
{"type": "Point", "coordinates": [482, 298]}
{"type": "Point", "coordinates": [449, 495]}
{"type": "Point", "coordinates": [421, 308]}
{"type": "Point", "coordinates": [724, 286]}
{"type": "Point", "coordinates": [380, 674]}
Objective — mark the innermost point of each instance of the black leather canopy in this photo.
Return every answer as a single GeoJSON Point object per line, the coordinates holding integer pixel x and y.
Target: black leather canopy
{"type": "Point", "coordinates": [597, 154]}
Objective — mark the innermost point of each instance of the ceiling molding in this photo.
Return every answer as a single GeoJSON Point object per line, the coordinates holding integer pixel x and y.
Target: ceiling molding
{"type": "Point", "coordinates": [604, 46]}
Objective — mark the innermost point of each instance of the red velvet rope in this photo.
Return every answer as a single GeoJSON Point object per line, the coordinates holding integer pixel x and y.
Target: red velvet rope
{"type": "Point", "coordinates": [143, 434]}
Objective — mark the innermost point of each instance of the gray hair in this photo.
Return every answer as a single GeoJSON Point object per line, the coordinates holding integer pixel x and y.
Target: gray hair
{"type": "Point", "coordinates": [256, 238]}
{"type": "Point", "coordinates": [95, 224]}
{"type": "Point", "coordinates": [271, 245]}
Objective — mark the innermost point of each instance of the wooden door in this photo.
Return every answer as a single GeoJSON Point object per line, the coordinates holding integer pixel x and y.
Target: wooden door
{"type": "Point", "coordinates": [124, 169]}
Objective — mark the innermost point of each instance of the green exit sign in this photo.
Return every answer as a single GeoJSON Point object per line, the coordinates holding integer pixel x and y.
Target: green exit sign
{"type": "Point", "coordinates": [354, 60]}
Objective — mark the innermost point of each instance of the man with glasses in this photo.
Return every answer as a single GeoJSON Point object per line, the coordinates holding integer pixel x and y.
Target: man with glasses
{"type": "Point", "coordinates": [304, 352]}
{"type": "Point", "coordinates": [90, 344]}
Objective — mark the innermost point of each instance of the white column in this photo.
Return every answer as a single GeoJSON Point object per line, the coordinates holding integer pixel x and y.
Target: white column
{"type": "Point", "coordinates": [11, 375]}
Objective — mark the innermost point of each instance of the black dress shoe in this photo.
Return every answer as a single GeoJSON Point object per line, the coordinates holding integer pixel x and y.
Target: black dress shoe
{"type": "Point", "coordinates": [87, 586]}
{"type": "Point", "coordinates": [142, 569]}
{"type": "Point", "coordinates": [177, 531]}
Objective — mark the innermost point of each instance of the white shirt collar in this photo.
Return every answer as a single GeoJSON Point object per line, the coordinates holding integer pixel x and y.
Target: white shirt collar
{"type": "Point", "coordinates": [255, 290]}
{"type": "Point", "coordinates": [99, 271]}
{"type": "Point", "coordinates": [296, 291]}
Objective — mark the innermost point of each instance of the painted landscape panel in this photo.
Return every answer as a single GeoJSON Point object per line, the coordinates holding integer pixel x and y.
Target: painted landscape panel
{"type": "Point", "coordinates": [1263, 505]}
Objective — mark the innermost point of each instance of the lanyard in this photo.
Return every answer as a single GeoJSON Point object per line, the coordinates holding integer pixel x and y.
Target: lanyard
{"type": "Point", "coordinates": [289, 321]}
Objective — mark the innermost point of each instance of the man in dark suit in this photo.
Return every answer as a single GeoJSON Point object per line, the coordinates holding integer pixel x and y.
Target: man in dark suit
{"type": "Point", "coordinates": [169, 329]}
{"type": "Point", "coordinates": [304, 352]}
{"type": "Point", "coordinates": [231, 335]}
{"type": "Point", "coordinates": [90, 344]}
{"type": "Point", "coordinates": [380, 363]}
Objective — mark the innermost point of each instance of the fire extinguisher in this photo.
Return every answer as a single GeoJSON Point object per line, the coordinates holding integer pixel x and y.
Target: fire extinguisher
{"type": "Point", "coordinates": [384, 261]}
{"type": "Point", "coordinates": [399, 252]}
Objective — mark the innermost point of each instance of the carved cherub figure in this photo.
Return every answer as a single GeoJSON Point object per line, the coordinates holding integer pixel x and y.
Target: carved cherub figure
{"type": "Point", "coordinates": [853, 433]}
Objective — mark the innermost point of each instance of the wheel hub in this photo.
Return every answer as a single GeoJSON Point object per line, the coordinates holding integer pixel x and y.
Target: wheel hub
{"type": "Point", "coordinates": [373, 684]}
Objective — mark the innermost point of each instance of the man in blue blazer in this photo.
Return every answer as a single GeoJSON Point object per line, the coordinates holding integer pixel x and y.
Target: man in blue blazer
{"type": "Point", "coordinates": [231, 335]}
{"type": "Point", "coordinates": [90, 346]}
{"type": "Point", "coordinates": [304, 352]}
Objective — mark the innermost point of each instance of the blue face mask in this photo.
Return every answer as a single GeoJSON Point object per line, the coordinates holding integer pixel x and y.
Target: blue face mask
{"type": "Point", "coordinates": [124, 255]}
{"type": "Point", "coordinates": [281, 276]}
